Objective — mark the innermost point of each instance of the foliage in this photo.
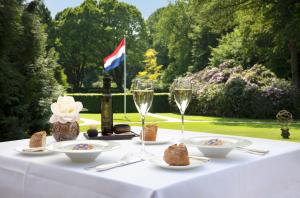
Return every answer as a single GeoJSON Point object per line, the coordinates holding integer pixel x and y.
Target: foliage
{"type": "Point", "coordinates": [189, 35]}
{"type": "Point", "coordinates": [27, 71]}
{"type": "Point", "coordinates": [152, 70]}
{"type": "Point", "coordinates": [230, 90]}
{"type": "Point", "coordinates": [284, 118]}
{"type": "Point", "coordinates": [75, 31]}
{"type": "Point", "coordinates": [92, 102]}
{"type": "Point", "coordinates": [84, 35]}
{"type": "Point", "coordinates": [270, 27]}
{"type": "Point", "coordinates": [122, 19]}
{"type": "Point", "coordinates": [158, 44]}
{"type": "Point", "coordinates": [182, 39]}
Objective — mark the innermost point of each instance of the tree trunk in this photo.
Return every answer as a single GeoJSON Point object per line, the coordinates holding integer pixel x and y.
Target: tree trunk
{"type": "Point", "coordinates": [76, 86]}
{"type": "Point", "coordinates": [294, 64]}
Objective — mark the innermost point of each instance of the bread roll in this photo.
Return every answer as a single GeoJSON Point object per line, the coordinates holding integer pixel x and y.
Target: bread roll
{"type": "Point", "coordinates": [38, 139]}
{"type": "Point", "coordinates": [177, 155]}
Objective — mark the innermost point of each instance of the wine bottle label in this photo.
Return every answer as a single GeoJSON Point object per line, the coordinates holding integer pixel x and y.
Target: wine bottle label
{"type": "Point", "coordinates": [106, 114]}
{"type": "Point", "coordinates": [106, 107]}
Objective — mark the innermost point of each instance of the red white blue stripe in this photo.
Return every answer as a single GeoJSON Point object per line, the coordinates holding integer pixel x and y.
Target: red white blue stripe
{"type": "Point", "coordinates": [114, 60]}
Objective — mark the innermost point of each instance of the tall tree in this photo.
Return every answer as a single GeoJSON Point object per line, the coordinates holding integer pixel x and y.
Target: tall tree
{"type": "Point", "coordinates": [91, 31]}
{"type": "Point", "coordinates": [79, 41]}
{"type": "Point", "coordinates": [152, 70]}
{"type": "Point", "coordinates": [27, 78]}
{"type": "Point", "coordinates": [281, 18]}
{"type": "Point", "coordinates": [121, 19]}
{"type": "Point", "coordinates": [173, 32]}
{"type": "Point", "coordinates": [159, 45]}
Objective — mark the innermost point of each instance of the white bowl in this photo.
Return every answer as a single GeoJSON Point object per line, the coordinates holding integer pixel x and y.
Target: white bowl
{"type": "Point", "coordinates": [216, 151]}
{"type": "Point", "coordinates": [83, 155]}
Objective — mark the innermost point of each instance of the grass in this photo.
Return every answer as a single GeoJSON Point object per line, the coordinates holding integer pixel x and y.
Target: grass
{"type": "Point", "coordinates": [133, 119]}
{"type": "Point", "coordinates": [119, 117]}
{"type": "Point", "coordinates": [215, 119]}
{"type": "Point", "coordinates": [269, 131]}
{"type": "Point", "coordinates": [250, 127]}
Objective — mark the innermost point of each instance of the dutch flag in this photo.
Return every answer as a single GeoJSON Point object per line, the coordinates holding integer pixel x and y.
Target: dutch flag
{"type": "Point", "coordinates": [114, 60]}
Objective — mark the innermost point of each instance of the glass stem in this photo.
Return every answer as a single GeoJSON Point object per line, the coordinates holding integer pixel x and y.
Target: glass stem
{"type": "Point", "coordinates": [182, 126]}
{"type": "Point", "coordinates": [143, 134]}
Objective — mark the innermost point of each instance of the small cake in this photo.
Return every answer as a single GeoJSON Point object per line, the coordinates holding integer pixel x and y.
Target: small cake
{"type": "Point", "coordinates": [177, 155]}
{"type": "Point", "coordinates": [150, 132]}
{"type": "Point", "coordinates": [38, 139]}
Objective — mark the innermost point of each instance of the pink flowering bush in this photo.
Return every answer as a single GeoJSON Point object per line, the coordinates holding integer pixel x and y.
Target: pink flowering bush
{"type": "Point", "coordinates": [230, 90]}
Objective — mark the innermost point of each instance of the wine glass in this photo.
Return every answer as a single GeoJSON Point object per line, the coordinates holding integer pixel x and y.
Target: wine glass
{"type": "Point", "coordinates": [142, 91]}
{"type": "Point", "coordinates": [182, 91]}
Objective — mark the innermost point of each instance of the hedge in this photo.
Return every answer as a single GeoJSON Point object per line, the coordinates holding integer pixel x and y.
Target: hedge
{"type": "Point", "coordinates": [92, 102]}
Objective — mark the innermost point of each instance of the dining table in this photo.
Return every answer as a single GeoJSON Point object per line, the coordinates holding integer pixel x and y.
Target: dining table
{"type": "Point", "coordinates": [239, 175]}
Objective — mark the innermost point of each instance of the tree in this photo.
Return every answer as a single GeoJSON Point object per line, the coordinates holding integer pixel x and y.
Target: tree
{"type": "Point", "coordinates": [152, 70]}
{"type": "Point", "coordinates": [11, 92]}
{"type": "Point", "coordinates": [159, 45]}
{"type": "Point", "coordinates": [280, 18]}
{"type": "Point", "coordinates": [88, 33]}
{"type": "Point", "coordinates": [182, 39]}
{"type": "Point", "coordinates": [121, 19]}
{"type": "Point", "coordinates": [172, 31]}
{"type": "Point", "coordinates": [27, 78]}
{"type": "Point", "coordinates": [79, 39]}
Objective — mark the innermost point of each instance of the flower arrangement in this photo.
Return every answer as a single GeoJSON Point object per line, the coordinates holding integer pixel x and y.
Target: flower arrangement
{"type": "Point", "coordinates": [65, 118]}
{"type": "Point", "coordinates": [284, 118]}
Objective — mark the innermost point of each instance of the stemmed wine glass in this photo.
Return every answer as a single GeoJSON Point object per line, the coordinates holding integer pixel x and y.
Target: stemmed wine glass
{"type": "Point", "coordinates": [182, 91]}
{"type": "Point", "coordinates": [142, 91]}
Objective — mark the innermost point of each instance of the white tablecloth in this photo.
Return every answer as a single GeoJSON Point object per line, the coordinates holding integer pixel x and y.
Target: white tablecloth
{"type": "Point", "coordinates": [240, 175]}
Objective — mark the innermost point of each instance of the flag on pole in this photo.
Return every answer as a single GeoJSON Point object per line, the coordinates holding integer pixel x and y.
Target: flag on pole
{"type": "Point", "coordinates": [114, 60]}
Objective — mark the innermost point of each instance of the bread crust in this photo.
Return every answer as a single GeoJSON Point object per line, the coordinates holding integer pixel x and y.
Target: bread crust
{"type": "Point", "coordinates": [177, 155]}
{"type": "Point", "coordinates": [38, 139]}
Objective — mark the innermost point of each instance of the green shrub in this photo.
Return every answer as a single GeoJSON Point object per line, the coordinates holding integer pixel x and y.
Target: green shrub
{"type": "Point", "coordinates": [233, 92]}
{"type": "Point", "coordinates": [92, 102]}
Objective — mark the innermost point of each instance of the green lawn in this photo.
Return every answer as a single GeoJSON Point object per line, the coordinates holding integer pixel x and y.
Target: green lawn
{"type": "Point", "coordinates": [269, 130]}
{"type": "Point", "coordinates": [119, 117]}
{"type": "Point", "coordinates": [133, 118]}
{"type": "Point", "coordinates": [215, 119]}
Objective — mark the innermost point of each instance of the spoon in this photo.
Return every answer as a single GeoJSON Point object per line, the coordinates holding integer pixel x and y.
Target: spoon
{"type": "Point", "coordinates": [253, 150]}
{"type": "Point", "coordinates": [205, 159]}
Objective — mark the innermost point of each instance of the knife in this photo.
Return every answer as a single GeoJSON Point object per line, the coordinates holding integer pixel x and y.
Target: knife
{"type": "Point", "coordinates": [108, 166]}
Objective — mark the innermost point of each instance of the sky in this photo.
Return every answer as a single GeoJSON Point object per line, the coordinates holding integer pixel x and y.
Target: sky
{"type": "Point", "coordinates": [146, 7]}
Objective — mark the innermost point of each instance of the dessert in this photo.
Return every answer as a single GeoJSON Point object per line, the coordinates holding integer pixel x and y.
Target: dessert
{"type": "Point", "coordinates": [177, 155]}
{"type": "Point", "coordinates": [150, 132]}
{"type": "Point", "coordinates": [83, 147]}
{"type": "Point", "coordinates": [38, 139]}
{"type": "Point", "coordinates": [214, 142]}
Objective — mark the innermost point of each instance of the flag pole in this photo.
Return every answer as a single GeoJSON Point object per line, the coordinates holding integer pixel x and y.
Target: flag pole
{"type": "Point", "coordinates": [125, 93]}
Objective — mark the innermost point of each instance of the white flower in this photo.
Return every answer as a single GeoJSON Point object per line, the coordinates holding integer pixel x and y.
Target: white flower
{"type": "Point", "coordinates": [65, 110]}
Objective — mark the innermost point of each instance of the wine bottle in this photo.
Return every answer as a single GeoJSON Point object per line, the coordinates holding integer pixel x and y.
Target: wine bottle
{"type": "Point", "coordinates": [106, 107]}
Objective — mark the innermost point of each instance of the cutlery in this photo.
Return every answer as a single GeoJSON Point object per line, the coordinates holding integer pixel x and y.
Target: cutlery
{"type": "Point", "coordinates": [205, 159]}
{"type": "Point", "coordinates": [126, 160]}
{"type": "Point", "coordinates": [253, 150]}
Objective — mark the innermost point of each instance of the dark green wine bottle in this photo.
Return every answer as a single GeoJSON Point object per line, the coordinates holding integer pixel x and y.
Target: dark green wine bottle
{"type": "Point", "coordinates": [106, 107]}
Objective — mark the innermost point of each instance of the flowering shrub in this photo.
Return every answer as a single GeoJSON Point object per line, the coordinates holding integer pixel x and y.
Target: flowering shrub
{"type": "Point", "coordinates": [229, 90]}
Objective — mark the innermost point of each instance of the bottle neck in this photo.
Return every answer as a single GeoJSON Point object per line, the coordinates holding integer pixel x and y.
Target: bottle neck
{"type": "Point", "coordinates": [106, 84]}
